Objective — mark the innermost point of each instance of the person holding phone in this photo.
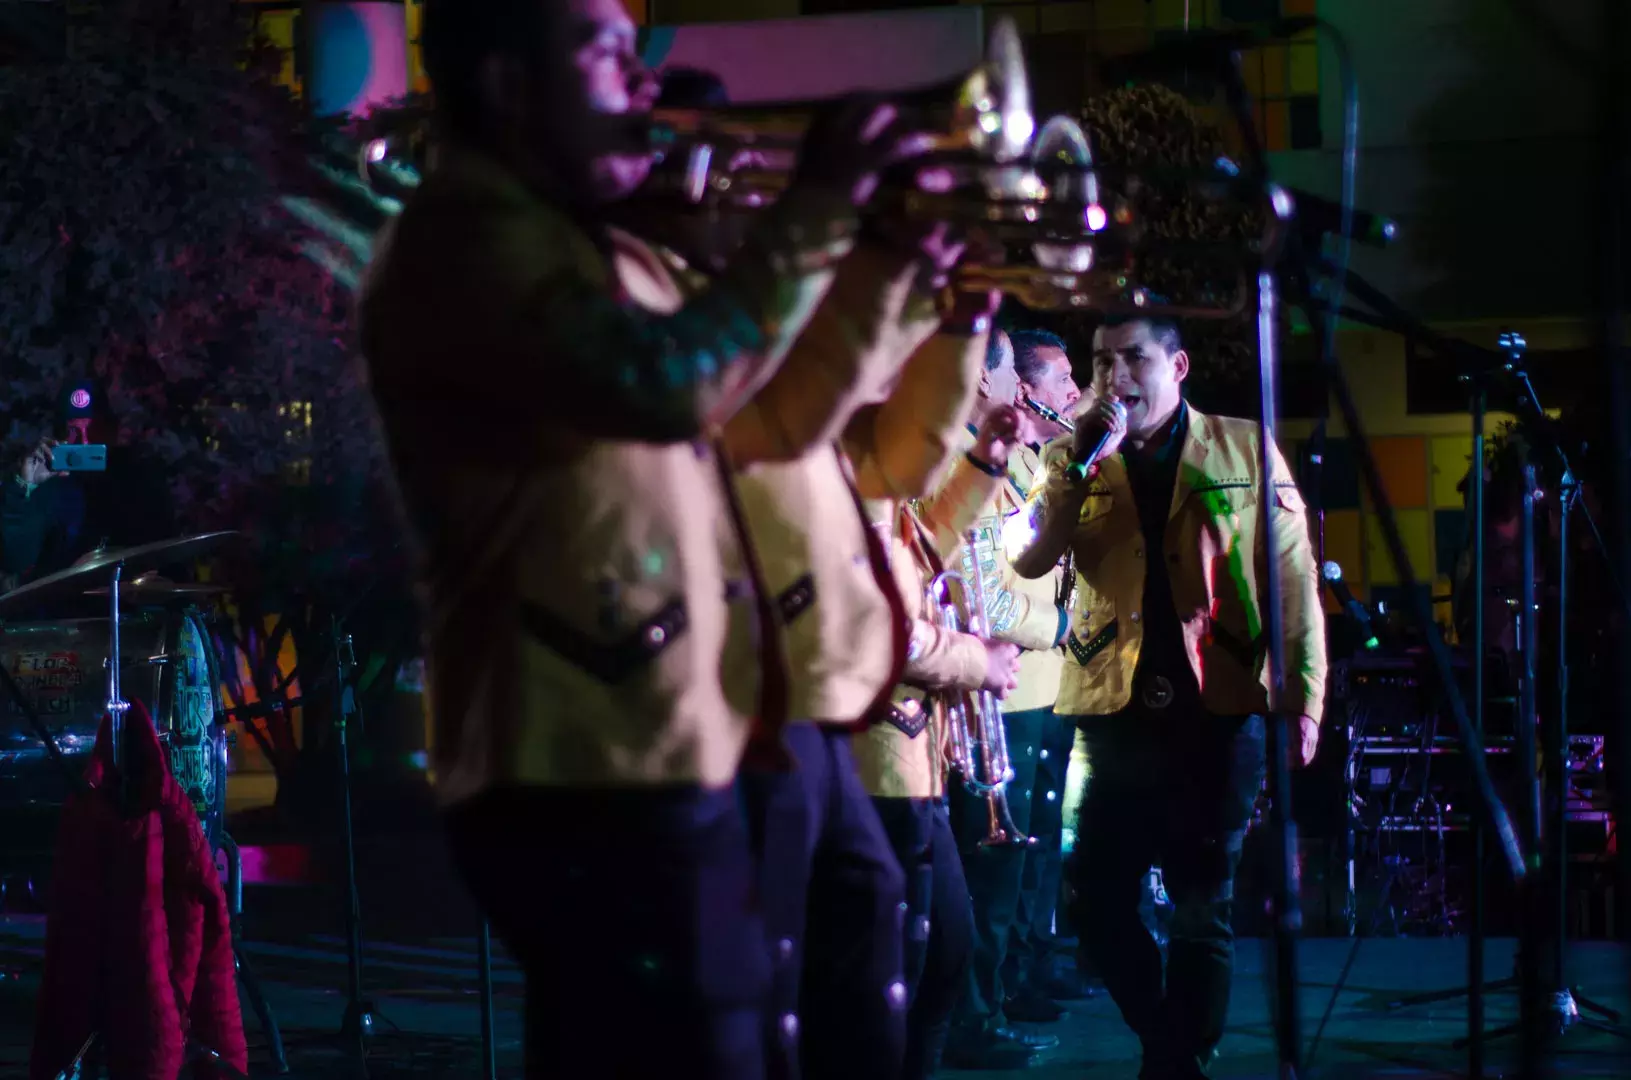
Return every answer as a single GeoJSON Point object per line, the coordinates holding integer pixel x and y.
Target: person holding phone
{"type": "Point", "coordinates": [40, 518]}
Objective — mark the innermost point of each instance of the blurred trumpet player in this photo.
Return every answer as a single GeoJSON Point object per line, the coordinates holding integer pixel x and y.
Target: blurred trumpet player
{"type": "Point", "coordinates": [1031, 615]}
{"type": "Point", "coordinates": [903, 758]}
{"type": "Point", "coordinates": [601, 647]}
{"type": "Point", "coordinates": [832, 884]}
{"type": "Point", "coordinates": [1167, 672]}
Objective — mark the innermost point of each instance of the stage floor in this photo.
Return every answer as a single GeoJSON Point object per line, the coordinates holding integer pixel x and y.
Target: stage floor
{"type": "Point", "coordinates": [425, 989]}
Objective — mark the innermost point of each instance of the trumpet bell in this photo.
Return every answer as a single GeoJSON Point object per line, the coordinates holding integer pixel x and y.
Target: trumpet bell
{"type": "Point", "coordinates": [994, 105]}
{"type": "Point", "coordinates": [1063, 146]}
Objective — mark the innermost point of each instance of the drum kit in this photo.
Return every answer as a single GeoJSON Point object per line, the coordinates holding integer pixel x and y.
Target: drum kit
{"type": "Point", "coordinates": [66, 660]}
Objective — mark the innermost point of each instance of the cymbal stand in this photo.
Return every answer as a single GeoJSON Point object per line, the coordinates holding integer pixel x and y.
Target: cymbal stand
{"type": "Point", "coordinates": [117, 705]}
{"type": "Point", "coordinates": [360, 1015]}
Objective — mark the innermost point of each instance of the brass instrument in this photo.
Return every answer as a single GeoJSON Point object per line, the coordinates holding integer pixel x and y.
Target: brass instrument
{"type": "Point", "coordinates": [1028, 200]}
{"type": "Point", "coordinates": [978, 743]}
{"type": "Point", "coordinates": [1049, 414]}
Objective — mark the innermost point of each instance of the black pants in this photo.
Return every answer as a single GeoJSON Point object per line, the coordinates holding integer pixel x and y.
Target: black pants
{"type": "Point", "coordinates": [633, 915]}
{"type": "Point", "coordinates": [939, 924]}
{"type": "Point", "coordinates": [995, 874]}
{"type": "Point", "coordinates": [1033, 938]}
{"type": "Point", "coordinates": [833, 899]}
{"type": "Point", "coordinates": [1174, 787]}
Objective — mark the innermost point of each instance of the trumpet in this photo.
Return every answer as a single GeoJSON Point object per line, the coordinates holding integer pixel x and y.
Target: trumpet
{"type": "Point", "coordinates": [1029, 200]}
{"type": "Point", "coordinates": [978, 747]}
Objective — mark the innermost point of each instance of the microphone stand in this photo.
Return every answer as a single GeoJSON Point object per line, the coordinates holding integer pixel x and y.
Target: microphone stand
{"type": "Point", "coordinates": [1287, 921]}
{"type": "Point", "coordinates": [360, 1016]}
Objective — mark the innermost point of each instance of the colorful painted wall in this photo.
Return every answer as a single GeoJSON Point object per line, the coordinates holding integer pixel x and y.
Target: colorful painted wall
{"type": "Point", "coordinates": [1422, 457]}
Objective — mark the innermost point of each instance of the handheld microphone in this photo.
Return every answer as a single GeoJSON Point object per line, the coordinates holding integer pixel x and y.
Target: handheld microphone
{"type": "Point", "coordinates": [1331, 572]}
{"type": "Point", "coordinates": [1208, 49]}
{"type": "Point", "coordinates": [1077, 471]}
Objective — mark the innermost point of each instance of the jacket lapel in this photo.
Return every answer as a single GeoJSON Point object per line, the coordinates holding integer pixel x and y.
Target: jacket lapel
{"type": "Point", "coordinates": [1191, 459]}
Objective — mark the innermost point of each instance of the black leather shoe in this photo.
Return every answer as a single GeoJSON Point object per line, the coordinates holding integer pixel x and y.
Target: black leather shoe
{"type": "Point", "coordinates": [1030, 1040]}
{"type": "Point", "coordinates": [995, 1050]}
{"type": "Point", "coordinates": [1066, 985]}
{"type": "Point", "coordinates": [1030, 1005]}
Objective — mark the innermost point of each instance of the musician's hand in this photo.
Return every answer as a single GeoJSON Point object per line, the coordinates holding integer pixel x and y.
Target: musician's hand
{"type": "Point", "coordinates": [849, 142]}
{"type": "Point", "coordinates": [1000, 432]}
{"type": "Point", "coordinates": [1102, 416]}
{"type": "Point", "coordinates": [1001, 668]}
{"type": "Point", "coordinates": [36, 466]}
{"type": "Point", "coordinates": [1309, 741]}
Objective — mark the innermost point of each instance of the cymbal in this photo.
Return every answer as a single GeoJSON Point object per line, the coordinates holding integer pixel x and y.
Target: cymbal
{"type": "Point", "coordinates": [100, 564]}
{"type": "Point", "coordinates": [154, 589]}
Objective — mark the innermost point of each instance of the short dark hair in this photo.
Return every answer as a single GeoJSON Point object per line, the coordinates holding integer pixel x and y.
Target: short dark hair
{"type": "Point", "coordinates": [692, 88]}
{"type": "Point", "coordinates": [1027, 364]}
{"type": "Point", "coordinates": [993, 349]}
{"type": "Point", "coordinates": [457, 36]}
{"type": "Point", "coordinates": [1163, 330]}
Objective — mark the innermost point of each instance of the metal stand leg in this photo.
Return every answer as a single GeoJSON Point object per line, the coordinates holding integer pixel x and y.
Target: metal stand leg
{"type": "Point", "coordinates": [489, 1036]}
{"type": "Point", "coordinates": [246, 975]}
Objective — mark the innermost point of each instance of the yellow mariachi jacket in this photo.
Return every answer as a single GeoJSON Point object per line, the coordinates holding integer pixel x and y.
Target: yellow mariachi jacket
{"type": "Point", "coordinates": [551, 404]}
{"type": "Point", "coordinates": [1216, 562]}
{"type": "Point", "coordinates": [844, 640]}
{"type": "Point", "coordinates": [904, 754]}
{"type": "Point", "coordinates": [1029, 613]}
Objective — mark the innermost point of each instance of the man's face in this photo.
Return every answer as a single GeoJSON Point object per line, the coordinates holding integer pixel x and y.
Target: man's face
{"type": "Point", "coordinates": [1000, 384]}
{"type": "Point", "coordinates": [611, 82]}
{"type": "Point", "coordinates": [1054, 386]}
{"type": "Point", "coordinates": [1129, 364]}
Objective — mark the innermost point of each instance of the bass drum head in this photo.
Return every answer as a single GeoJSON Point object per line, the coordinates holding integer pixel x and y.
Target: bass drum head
{"type": "Point", "coordinates": [195, 737]}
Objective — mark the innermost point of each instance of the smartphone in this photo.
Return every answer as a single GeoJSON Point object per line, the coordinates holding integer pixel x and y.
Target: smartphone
{"type": "Point", "coordinates": [79, 457]}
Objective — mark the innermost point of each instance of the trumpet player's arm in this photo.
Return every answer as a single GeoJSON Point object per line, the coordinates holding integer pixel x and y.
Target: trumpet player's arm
{"type": "Point", "coordinates": [554, 338]}
{"type": "Point", "coordinates": [867, 325]}
{"type": "Point", "coordinates": [1302, 614]}
{"type": "Point", "coordinates": [1055, 506]}
{"type": "Point", "coordinates": [942, 659]}
{"type": "Point", "coordinates": [903, 446]}
{"type": "Point", "coordinates": [948, 514]}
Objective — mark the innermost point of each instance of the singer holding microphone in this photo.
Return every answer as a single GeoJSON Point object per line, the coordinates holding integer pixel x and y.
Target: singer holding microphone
{"type": "Point", "coordinates": [1160, 507]}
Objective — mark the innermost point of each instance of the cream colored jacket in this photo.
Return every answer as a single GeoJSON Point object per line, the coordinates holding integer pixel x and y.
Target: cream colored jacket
{"type": "Point", "coordinates": [1029, 613]}
{"type": "Point", "coordinates": [590, 606]}
{"type": "Point", "coordinates": [1215, 556]}
{"type": "Point", "coordinates": [903, 754]}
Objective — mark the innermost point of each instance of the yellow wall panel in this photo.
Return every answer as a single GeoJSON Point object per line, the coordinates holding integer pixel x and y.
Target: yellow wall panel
{"type": "Point", "coordinates": [1120, 14]}
{"type": "Point", "coordinates": [1450, 456]}
{"type": "Point", "coordinates": [1416, 529]}
{"type": "Point", "coordinates": [1345, 545]}
{"type": "Point", "coordinates": [1305, 69]}
{"type": "Point", "coordinates": [1170, 14]}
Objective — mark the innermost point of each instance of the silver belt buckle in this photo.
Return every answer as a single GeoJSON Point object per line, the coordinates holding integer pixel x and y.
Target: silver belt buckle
{"type": "Point", "coordinates": [1158, 693]}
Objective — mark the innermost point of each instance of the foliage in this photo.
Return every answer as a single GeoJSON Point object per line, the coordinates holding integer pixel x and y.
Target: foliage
{"type": "Point", "coordinates": [1154, 134]}
{"type": "Point", "coordinates": [144, 246]}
